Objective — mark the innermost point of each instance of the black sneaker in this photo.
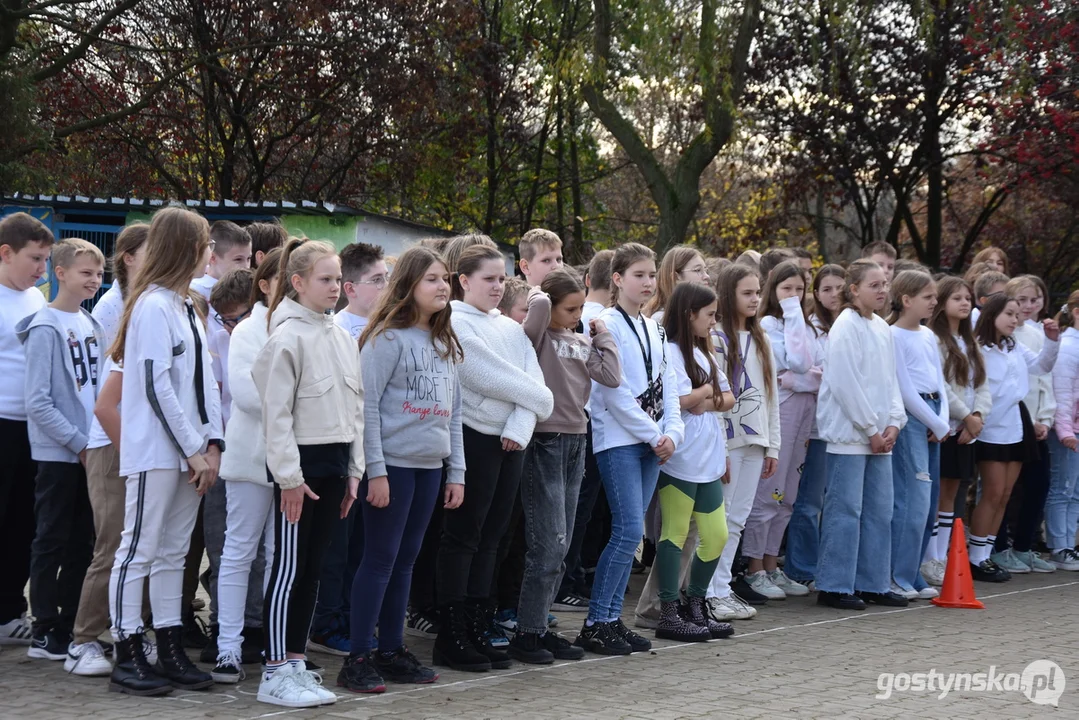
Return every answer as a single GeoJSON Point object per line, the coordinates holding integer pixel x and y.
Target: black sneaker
{"type": "Point", "coordinates": [229, 669]}
{"type": "Point", "coordinates": [51, 645]}
{"type": "Point", "coordinates": [840, 601]}
{"type": "Point", "coordinates": [570, 602]}
{"type": "Point", "coordinates": [251, 647]}
{"type": "Point", "coordinates": [635, 641]}
{"type": "Point", "coordinates": [989, 571]}
{"type": "Point", "coordinates": [422, 623]}
{"type": "Point", "coordinates": [401, 666]}
{"type": "Point", "coordinates": [748, 595]}
{"type": "Point", "coordinates": [359, 675]}
{"type": "Point", "coordinates": [527, 647]}
{"type": "Point", "coordinates": [209, 653]}
{"type": "Point", "coordinates": [888, 599]}
{"type": "Point", "coordinates": [194, 632]}
{"type": "Point", "coordinates": [601, 638]}
{"type": "Point", "coordinates": [560, 647]}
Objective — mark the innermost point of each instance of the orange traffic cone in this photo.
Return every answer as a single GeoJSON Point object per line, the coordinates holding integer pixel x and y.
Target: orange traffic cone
{"type": "Point", "coordinates": [958, 590]}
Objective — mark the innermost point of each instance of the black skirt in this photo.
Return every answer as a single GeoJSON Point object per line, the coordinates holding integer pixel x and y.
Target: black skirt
{"type": "Point", "coordinates": [1026, 450]}
{"type": "Point", "coordinates": [956, 461]}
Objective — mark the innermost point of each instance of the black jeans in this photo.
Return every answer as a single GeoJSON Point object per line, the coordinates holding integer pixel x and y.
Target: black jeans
{"type": "Point", "coordinates": [17, 472]}
{"type": "Point", "coordinates": [573, 580]}
{"type": "Point", "coordinates": [423, 595]}
{"type": "Point", "coordinates": [297, 565]}
{"type": "Point", "coordinates": [470, 534]}
{"type": "Point", "coordinates": [338, 570]}
{"type": "Point", "coordinates": [510, 561]}
{"type": "Point", "coordinates": [63, 545]}
{"type": "Point", "coordinates": [1024, 511]}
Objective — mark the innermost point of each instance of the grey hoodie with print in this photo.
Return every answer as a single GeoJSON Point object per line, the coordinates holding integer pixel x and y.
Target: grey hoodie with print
{"type": "Point", "coordinates": [56, 418]}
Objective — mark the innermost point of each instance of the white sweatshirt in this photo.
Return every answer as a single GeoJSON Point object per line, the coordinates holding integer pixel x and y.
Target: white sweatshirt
{"type": "Point", "coordinates": [918, 370]}
{"type": "Point", "coordinates": [617, 418]}
{"type": "Point", "coordinates": [1040, 400]}
{"type": "Point", "coordinates": [1007, 372]}
{"type": "Point", "coordinates": [502, 388]}
{"type": "Point", "coordinates": [797, 350]}
{"type": "Point", "coordinates": [754, 419]}
{"type": "Point", "coordinates": [859, 393]}
{"type": "Point", "coordinates": [244, 435]}
{"type": "Point", "coordinates": [162, 421]}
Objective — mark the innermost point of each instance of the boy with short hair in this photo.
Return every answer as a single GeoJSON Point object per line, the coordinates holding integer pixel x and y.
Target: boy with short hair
{"type": "Point", "coordinates": [514, 303]}
{"type": "Point", "coordinates": [63, 344]}
{"type": "Point", "coordinates": [364, 276]}
{"type": "Point", "coordinates": [598, 283]}
{"type": "Point", "coordinates": [230, 247]}
{"type": "Point", "coordinates": [541, 252]}
{"type": "Point", "coordinates": [804, 258]}
{"type": "Point", "coordinates": [25, 244]}
{"type": "Point", "coordinates": [882, 254]}
{"type": "Point", "coordinates": [265, 236]}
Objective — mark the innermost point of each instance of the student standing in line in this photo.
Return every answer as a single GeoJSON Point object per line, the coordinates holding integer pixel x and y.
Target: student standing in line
{"type": "Point", "coordinates": [1062, 505]}
{"type": "Point", "coordinates": [129, 250]}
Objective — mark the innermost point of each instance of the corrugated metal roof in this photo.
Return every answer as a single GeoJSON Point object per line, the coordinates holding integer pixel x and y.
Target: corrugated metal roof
{"type": "Point", "coordinates": [267, 207]}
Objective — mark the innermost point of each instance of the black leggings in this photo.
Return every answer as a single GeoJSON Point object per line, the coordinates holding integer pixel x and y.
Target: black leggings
{"type": "Point", "coordinates": [297, 566]}
{"type": "Point", "coordinates": [468, 551]}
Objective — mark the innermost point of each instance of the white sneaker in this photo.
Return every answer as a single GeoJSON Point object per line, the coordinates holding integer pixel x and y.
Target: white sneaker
{"type": "Point", "coordinates": [928, 593]}
{"type": "Point", "coordinates": [908, 594]}
{"type": "Point", "coordinates": [87, 660]}
{"type": "Point", "coordinates": [16, 632]}
{"type": "Point", "coordinates": [760, 583]}
{"type": "Point", "coordinates": [933, 572]}
{"type": "Point", "coordinates": [1066, 559]}
{"type": "Point", "coordinates": [284, 687]}
{"type": "Point", "coordinates": [313, 682]}
{"type": "Point", "coordinates": [745, 610]}
{"type": "Point", "coordinates": [722, 609]}
{"type": "Point", "coordinates": [788, 586]}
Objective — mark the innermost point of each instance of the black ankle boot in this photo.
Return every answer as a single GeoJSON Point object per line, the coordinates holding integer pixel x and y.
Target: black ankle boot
{"type": "Point", "coordinates": [173, 663]}
{"type": "Point", "coordinates": [481, 616]}
{"type": "Point", "coordinates": [132, 674]}
{"type": "Point", "coordinates": [209, 653]}
{"type": "Point", "coordinates": [672, 626]}
{"type": "Point", "coordinates": [698, 615]}
{"type": "Point", "coordinates": [453, 645]}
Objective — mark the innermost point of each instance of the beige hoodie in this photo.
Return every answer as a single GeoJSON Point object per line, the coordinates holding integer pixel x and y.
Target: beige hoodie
{"type": "Point", "coordinates": [308, 376]}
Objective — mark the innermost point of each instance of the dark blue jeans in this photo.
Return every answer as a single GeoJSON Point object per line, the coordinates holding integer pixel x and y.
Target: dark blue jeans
{"type": "Point", "coordinates": [392, 536]}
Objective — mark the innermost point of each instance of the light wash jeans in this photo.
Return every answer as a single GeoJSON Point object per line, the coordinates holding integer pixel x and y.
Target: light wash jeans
{"type": "Point", "coordinates": [1062, 503]}
{"type": "Point", "coordinates": [803, 531]}
{"type": "Point", "coordinates": [630, 475]}
{"type": "Point", "coordinates": [915, 472]}
{"type": "Point", "coordinates": [855, 543]}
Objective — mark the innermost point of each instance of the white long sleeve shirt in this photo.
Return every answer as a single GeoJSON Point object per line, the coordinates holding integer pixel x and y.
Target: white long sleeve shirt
{"type": "Point", "coordinates": [796, 349]}
{"type": "Point", "coordinates": [859, 393]}
{"type": "Point", "coordinates": [245, 438]}
{"type": "Point", "coordinates": [918, 370]}
{"type": "Point", "coordinates": [617, 418]}
{"type": "Point", "coordinates": [1007, 371]}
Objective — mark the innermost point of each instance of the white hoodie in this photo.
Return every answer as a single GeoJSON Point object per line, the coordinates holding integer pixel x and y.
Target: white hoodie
{"type": "Point", "coordinates": [502, 388]}
{"type": "Point", "coordinates": [244, 438]}
{"type": "Point", "coordinates": [617, 419]}
{"type": "Point", "coordinates": [859, 393]}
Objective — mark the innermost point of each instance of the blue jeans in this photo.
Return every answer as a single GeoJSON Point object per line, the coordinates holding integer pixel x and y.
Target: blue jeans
{"type": "Point", "coordinates": [803, 531]}
{"type": "Point", "coordinates": [393, 536]}
{"type": "Point", "coordinates": [1062, 503]}
{"type": "Point", "coordinates": [855, 538]}
{"type": "Point", "coordinates": [630, 475]}
{"type": "Point", "coordinates": [913, 461]}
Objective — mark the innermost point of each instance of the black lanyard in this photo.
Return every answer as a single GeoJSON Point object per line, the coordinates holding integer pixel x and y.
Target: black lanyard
{"type": "Point", "coordinates": [647, 355]}
{"type": "Point", "coordinates": [200, 391]}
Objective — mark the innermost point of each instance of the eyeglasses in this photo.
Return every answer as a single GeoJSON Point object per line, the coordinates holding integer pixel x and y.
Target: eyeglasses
{"type": "Point", "coordinates": [213, 244]}
{"type": "Point", "coordinates": [379, 281]}
{"type": "Point", "coordinates": [231, 322]}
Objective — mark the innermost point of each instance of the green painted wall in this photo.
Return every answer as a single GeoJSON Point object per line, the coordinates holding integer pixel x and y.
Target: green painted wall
{"type": "Point", "coordinates": [341, 231]}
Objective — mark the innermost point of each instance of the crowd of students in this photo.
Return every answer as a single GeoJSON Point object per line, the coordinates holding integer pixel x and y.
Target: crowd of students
{"type": "Point", "coordinates": [455, 454]}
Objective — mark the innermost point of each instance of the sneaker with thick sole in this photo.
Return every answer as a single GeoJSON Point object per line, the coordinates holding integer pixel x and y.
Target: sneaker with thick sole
{"type": "Point", "coordinates": [1008, 560]}
{"type": "Point", "coordinates": [895, 589]}
{"type": "Point", "coordinates": [359, 675]}
{"type": "Point", "coordinates": [401, 666]}
{"type": "Point", "coordinates": [1035, 561]}
{"type": "Point", "coordinates": [422, 624]}
{"type": "Point", "coordinates": [527, 647]}
{"type": "Point", "coordinates": [762, 585]}
{"type": "Point", "coordinates": [229, 668]}
{"type": "Point", "coordinates": [570, 602]}
{"type": "Point", "coordinates": [840, 601]}
{"type": "Point", "coordinates": [1067, 559]}
{"type": "Point", "coordinates": [933, 572]}
{"type": "Point", "coordinates": [637, 642]}
{"type": "Point", "coordinates": [17, 632]}
{"type": "Point", "coordinates": [600, 638]}
{"type": "Point", "coordinates": [989, 571]}
{"type": "Point", "coordinates": [507, 620]}
{"type": "Point", "coordinates": [729, 608]}
{"type": "Point", "coordinates": [283, 686]}
{"type": "Point", "coordinates": [560, 647]}
{"type": "Point", "coordinates": [87, 660]}
{"type": "Point", "coordinates": [746, 593]}
{"type": "Point", "coordinates": [928, 593]}
{"type": "Point", "coordinates": [49, 646]}
{"type": "Point", "coordinates": [789, 587]}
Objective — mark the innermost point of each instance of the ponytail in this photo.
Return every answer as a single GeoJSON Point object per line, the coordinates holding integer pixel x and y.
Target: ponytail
{"type": "Point", "coordinates": [1066, 317]}
{"type": "Point", "coordinates": [297, 258]}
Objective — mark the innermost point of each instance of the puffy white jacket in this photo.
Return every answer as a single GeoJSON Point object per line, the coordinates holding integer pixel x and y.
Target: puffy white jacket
{"type": "Point", "coordinates": [1066, 384]}
{"type": "Point", "coordinates": [502, 388]}
{"type": "Point", "coordinates": [245, 443]}
{"type": "Point", "coordinates": [859, 393]}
